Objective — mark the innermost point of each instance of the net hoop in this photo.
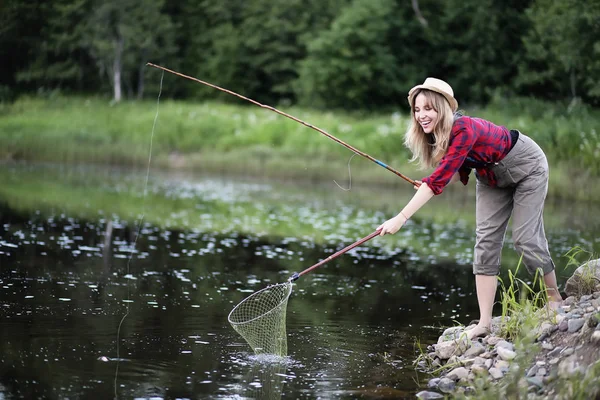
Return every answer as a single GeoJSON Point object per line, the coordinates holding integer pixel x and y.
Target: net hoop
{"type": "Point", "coordinates": [238, 321]}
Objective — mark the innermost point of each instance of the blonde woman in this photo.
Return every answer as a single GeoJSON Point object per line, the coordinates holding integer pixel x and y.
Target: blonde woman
{"type": "Point", "coordinates": [512, 180]}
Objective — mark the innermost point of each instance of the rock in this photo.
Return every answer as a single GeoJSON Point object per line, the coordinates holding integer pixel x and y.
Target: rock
{"type": "Point", "coordinates": [532, 371]}
{"type": "Point", "coordinates": [445, 350]}
{"type": "Point", "coordinates": [569, 301]}
{"type": "Point", "coordinates": [433, 383]}
{"type": "Point", "coordinates": [454, 361]}
{"type": "Point", "coordinates": [479, 370]}
{"type": "Point", "coordinates": [506, 354]}
{"type": "Point", "coordinates": [425, 395]}
{"type": "Point", "coordinates": [567, 351]}
{"type": "Point", "coordinates": [505, 345]}
{"type": "Point", "coordinates": [547, 346]}
{"type": "Point", "coordinates": [446, 385]}
{"type": "Point", "coordinates": [457, 374]}
{"type": "Point", "coordinates": [502, 365]}
{"type": "Point", "coordinates": [564, 325]}
{"type": "Point", "coordinates": [555, 352]}
{"type": "Point", "coordinates": [475, 350]}
{"type": "Point", "coordinates": [494, 340]}
{"type": "Point", "coordinates": [596, 337]}
{"type": "Point", "coordinates": [584, 279]}
{"type": "Point", "coordinates": [452, 333]}
{"type": "Point", "coordinates": [569, 367]}
{"type": "Point", "coordinates": [575, 325]}
{"type": "Point", "coordinates": [495, 373]}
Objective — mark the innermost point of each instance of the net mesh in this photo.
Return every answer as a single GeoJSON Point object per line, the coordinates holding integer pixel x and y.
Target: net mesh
{"type": "Point", "coordinates": [260, 319]}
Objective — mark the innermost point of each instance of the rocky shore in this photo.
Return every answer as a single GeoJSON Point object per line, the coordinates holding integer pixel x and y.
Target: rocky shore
{"type": "Point", "coordinates": [557, 358]}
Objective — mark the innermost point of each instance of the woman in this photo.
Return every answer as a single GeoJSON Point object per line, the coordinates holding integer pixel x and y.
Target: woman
{"type": "Point", "coordinates": [512, 179]}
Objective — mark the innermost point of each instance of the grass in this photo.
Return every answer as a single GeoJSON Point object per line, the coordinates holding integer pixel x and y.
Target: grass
{"type": "Point", "coordinates": [522, 314]}
{"type": "Point", "coordinates": [246, 139]}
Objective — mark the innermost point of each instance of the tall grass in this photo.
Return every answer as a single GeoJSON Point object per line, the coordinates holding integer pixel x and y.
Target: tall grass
{"type": "Point", "coordinates": [249, 139]}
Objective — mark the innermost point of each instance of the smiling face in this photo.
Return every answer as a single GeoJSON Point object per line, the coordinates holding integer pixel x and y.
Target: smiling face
{"type": "Point", "coordinates": [425, 115]}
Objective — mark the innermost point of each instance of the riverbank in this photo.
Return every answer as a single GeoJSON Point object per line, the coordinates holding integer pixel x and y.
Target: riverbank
{"type": "Point", "coordinates": [236, 139]}
{"type": "Point", "coordinates": [532, 352]}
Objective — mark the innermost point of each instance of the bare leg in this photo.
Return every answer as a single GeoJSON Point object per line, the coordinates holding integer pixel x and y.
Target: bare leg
{"type": "Point", "coordinates": [552, 288]}
{"type": "Point", "coordinates": [486, 293]}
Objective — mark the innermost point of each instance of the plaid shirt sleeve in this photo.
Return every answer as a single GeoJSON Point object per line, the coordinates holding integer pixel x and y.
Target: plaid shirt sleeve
{"type": "Point", "coordinates": [462, 140]}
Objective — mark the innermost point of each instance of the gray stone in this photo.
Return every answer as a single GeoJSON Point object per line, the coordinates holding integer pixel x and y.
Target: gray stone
{"type": "Point", "coordinates": [575, 325]}
{"type": "Point", "coordinates": [502, 365]}
{"type": "Point", "coordinates": [452, 333]}
{"type": "Point", "coordinates": [567, 351]}
{"type": "Point", "coordinates": [425, 395]}
{"type": "Point", "coordinates": [547, 346]}
{"type": "Point", "coordinates": [495, 373]}
{"type": "Point", "coordinates": [555, 352]}
{"type": "Point", "coordinates": [564, 325]}
{"type": "Point", "coordinates": [505, 345]}
{"type": "Point", "coordinates": [479, 370]}
{"type": "Point", "coordinates": [453, 361]}
{"type": "Point", "coordinates": [446, 385]}
{"type": "Point", "coordinates": [445, 350]}
{"type": "Point", "coordinates": [475, 350]}
{"type": "Point", "coordinates": [457, 374]}
{"type": "Point", "coordinates": [596, 336]}
{"type": "Point", "coordinates": [494, 340]}
{"type": "Point", "coordinates": [533, 371]}
{"type": "Point", "coordinates": [479, 361]}
{"type": "Point", "coordinates": [536, 381]}
{"type": "Point", "coordinates": [433, 383]}
{"type": "Point", "coordinates": [569, 367]}
{"type": "Point", "coordinates": [583, 280]}
{"type": "Point", "coordinates": [506, 354]}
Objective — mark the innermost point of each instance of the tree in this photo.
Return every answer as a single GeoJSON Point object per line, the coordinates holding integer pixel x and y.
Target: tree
{"type": "Point", "coordinates": [122, 35]}
{"type": "Point", "coordinates": [566, 32]}
{"type": "Point", "coordinates": [353, 64]}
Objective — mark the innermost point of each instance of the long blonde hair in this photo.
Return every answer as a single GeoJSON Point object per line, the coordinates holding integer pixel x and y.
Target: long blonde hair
{"type": "Point", "coordinates": [429, 149]}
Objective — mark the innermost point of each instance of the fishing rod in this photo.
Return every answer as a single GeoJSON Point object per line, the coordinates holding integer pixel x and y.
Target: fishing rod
{"type": "Point", "coordinates": [353, 149]}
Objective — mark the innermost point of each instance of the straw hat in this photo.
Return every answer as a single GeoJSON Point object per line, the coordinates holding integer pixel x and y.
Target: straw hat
{"type": "Point", "coordinates": [436, 85]}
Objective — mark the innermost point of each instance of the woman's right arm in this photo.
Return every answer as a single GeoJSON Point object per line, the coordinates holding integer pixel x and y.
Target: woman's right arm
{"type": "Point", "coordinates": [393, 225]}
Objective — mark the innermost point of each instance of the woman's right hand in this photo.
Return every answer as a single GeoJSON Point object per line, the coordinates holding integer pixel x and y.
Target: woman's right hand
{"type": "Point", "coordinates": [392, 225]}
{"type": "Point", "coordinates": [417, 184]}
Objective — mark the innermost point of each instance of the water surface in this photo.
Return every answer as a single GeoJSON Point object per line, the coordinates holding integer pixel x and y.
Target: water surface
{"type": "Point", "coordinates": [109, 290]}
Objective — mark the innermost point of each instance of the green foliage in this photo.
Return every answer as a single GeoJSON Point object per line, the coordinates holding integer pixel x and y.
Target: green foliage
{"type": "Point", "coordinates": [349, 54]}
{"type": "Point", "coordinates": [352, 64]}
{"type": "Point", "coordinates": [475, 54]}
{"type": "Point", "coordinates": [565, 35]}
{"type": "Point", "coordinates": [73, 129]}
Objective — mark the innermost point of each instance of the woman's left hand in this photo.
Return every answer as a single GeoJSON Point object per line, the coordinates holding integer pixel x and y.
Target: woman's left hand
{"type": "Point", "coordinates": [392, 225]}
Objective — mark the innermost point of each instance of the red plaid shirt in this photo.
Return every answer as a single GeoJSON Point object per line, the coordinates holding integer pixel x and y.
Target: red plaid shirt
{"type": "Point", "coordinates": [472, 141]}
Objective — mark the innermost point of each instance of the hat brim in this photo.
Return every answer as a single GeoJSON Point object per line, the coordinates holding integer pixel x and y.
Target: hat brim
{"type": "Point", "coordinates": [451, 100]}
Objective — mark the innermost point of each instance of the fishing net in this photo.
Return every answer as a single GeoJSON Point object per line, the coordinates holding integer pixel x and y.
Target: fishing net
{"type": "Point", "coordinates": [260, 319]}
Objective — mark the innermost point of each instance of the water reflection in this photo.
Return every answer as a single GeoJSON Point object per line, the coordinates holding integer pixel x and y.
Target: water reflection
{"type": "Point", "coordinates": [70, 269]}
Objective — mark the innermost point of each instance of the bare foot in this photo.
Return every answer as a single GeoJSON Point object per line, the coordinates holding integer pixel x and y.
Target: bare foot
{"type": "Point", "coordinates": [477, 331]}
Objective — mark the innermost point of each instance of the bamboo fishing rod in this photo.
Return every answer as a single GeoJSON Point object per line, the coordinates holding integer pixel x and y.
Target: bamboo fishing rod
{"type": "Point", "coordinates": [353, 149]}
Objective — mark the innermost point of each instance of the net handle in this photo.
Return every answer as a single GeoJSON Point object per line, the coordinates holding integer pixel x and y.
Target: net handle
{"type": "Point", "coordinates": [339, 253]}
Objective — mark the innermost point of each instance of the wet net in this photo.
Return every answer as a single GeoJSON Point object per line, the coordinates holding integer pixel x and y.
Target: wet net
{"type": "Point", "coordinates": [260, 319]}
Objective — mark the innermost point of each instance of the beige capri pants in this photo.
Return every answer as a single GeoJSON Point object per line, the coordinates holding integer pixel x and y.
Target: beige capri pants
{"type": "Point", "coordinates": [521, 191]}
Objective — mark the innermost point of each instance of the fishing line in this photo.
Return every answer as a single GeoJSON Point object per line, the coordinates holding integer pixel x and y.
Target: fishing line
{"type": "Point", "coordinates": [140, 223]}
{"type": "Point", "coordinates": [346, 145]}
{"type": "Point", "coordinates": [349, 176]}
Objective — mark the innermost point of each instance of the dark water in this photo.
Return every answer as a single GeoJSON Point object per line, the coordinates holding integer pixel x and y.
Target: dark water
{"type": "Point", "coordinates": [92, 306]}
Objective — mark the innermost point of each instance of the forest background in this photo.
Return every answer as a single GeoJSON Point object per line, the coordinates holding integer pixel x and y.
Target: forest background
{"type": "Point", "coordinates": [75, 85]}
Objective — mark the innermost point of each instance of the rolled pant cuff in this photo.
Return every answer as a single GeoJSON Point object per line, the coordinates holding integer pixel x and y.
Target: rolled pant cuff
{"type": "Point", "coordinates": [486, 269]}
{"type": "Point", "coordinates": [546, 269]}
